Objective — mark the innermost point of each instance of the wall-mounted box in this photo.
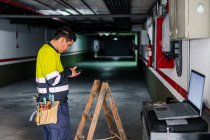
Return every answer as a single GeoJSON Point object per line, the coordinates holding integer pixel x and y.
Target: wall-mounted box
{"type": "Point", "coordinates": [144, 37]}
{"type": "Point", "coordinates": [166, 47]}
{"type": "Point", "coordinates": [189, 19]}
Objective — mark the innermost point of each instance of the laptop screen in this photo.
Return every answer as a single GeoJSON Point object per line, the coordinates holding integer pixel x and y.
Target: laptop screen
{"type": "Point", "coordinates": [196, 87]}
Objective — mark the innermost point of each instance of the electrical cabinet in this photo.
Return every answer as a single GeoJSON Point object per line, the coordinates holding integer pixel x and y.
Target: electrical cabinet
{"type": "Point", "coordinates": [166, 47]}
{"type": "Point", "coordinates": [189, 19]}
{"type": "Point", "coordinates": [144, 37]}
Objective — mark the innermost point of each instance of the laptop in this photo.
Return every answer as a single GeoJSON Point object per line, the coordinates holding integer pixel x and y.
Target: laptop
{"type": "Point", "coordinates": [192, 108]}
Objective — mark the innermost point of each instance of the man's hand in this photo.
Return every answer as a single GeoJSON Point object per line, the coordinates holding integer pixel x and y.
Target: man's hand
{"type": "Point", "coordinates": [74, 72]}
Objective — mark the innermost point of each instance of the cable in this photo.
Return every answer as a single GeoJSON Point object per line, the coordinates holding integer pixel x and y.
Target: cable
{"type": "Point", "coordinates": [178, 60]}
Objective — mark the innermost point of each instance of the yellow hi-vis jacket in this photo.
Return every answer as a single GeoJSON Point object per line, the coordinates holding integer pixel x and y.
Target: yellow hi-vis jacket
{"type": "Point", "coordinates": [51, 78]}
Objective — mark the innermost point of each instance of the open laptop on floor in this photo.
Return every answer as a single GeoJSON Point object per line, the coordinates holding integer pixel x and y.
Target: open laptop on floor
{"type": "Point", "coordinates": [192, 108]}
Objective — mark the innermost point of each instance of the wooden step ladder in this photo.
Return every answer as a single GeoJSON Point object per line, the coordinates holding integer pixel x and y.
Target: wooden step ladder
{"type": "Point", "coordinates": [103, 92]}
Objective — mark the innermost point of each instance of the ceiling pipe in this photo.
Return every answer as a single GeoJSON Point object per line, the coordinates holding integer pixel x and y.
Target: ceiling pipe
{"type": "Point", "coordinates": [105, 22]}
{"type": "Point", "coordinates": [88, 7]}
{"type": "Point", "coordinates": [140, 15]}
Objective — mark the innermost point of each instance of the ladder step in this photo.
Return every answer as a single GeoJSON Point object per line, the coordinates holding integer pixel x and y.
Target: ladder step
{"type": "Point", "coordinates": [81, 137]}
{"type": "Point", "coordinates": [87, 115]}
{"type": "Point", "coordinates": [116, 135]}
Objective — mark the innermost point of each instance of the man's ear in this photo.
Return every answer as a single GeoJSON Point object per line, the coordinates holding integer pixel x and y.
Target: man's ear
{"type": "Point", "coordinates": [63, 40]}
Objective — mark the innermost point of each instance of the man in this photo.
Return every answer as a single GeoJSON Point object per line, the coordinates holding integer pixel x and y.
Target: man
{"type": "Point", "coordinates": [52, 79]}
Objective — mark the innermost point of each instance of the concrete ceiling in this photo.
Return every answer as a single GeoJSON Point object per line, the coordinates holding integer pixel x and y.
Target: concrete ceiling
{"type": "Point", "coordinates": [81, 15]}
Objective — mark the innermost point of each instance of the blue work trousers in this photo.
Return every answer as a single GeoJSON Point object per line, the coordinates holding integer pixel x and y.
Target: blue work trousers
{"type": "Point", "coordinates": [60, 130]}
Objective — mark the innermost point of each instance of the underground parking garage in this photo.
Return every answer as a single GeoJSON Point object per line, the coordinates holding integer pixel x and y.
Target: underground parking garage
{"type": "Point", "coordinates": [129, 61]}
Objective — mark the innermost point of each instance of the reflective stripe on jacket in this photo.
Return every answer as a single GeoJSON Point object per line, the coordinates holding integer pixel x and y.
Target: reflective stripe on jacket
{"type": "Point", "coordinates": [51, 78]}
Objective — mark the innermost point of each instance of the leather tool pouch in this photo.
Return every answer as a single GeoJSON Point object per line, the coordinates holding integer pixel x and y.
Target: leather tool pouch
{"type": "Point", "coordinates": [47, 114]}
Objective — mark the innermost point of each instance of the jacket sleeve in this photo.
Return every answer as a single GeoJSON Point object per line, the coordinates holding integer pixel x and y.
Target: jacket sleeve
{"type": "Point", "coordinates": [49, 69]}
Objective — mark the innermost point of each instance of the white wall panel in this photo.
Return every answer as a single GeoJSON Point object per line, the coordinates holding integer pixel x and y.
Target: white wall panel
{"type": "Point", "coordinates": [29, 40]}
{"type": "Point", "coordinates": [8, 44]}
{"type": "Point", "coordinates": [144, 37]}
{"type": "Point", "coordinates": [199, 61]}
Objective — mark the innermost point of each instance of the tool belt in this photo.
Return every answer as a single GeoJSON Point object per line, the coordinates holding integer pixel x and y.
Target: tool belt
{"type": "Point", "coordinates": [47, 113]}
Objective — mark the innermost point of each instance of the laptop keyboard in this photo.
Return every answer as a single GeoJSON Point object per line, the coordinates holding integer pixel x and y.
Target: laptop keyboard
{"type": "Point", "coordinates": [178, 109]}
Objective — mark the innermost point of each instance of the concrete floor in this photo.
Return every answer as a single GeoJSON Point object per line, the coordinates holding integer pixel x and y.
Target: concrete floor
{"type": "Point", "coordinates": [128, 89]}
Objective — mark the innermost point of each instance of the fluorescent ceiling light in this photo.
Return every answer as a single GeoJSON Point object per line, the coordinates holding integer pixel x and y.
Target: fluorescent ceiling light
{"type": "Point", "coordinates": [72, 11]}
{"type": "Point", "coordinates": [115, 38]}
{"type": "Point", "coordinates": [49, 12]}
{"type": "Point", "coordinates": [85, 11]}
{"type": "Point", "coordinates": [62, 12]}
{"type": "Point", "coordinates": [103, 34]}
{"type": "Point", "coordinates": [106, 34]}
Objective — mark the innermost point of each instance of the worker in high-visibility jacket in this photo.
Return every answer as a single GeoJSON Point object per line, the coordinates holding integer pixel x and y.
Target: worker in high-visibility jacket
{"type": "Point", "coordinates": [52, 79]}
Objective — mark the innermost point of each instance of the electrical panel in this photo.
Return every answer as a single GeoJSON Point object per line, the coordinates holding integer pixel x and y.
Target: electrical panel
{"type": "Point", "coordinates": [189, 19]}
{"type": "Point", "coordinates": [144, 37]}
{"type": "Point", "coordinates": [166, 47]}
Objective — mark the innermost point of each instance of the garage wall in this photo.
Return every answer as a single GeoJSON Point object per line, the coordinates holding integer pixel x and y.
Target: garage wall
{"type": "Point", "coordinates": [19, 41]}
{"type": "Point", "coordinates": [157, 89]}
{"type": "Point", "coordinates": [19, 46]}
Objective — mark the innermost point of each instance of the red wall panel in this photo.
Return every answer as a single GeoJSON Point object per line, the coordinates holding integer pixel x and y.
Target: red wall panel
{"type": "Point", "coordinates": [161, 61]}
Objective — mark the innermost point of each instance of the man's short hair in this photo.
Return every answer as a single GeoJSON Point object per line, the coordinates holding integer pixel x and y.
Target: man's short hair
{"type": "Point", "coordinates": [64, 32]}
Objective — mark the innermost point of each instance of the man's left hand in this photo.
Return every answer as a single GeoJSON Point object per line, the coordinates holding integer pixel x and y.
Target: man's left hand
{"type": "Point", "coordinates": [74, 72]}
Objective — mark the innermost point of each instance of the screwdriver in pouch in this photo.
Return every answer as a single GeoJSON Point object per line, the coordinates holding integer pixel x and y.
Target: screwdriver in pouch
{"type": "Point", "coordinates": [44, 100]}
{"type": "Point", "coordinates": [50, 100]}
{"type": "Point", "coordinates": [50, 97]}
{"type": "Point", "coordinates": [53, 99]}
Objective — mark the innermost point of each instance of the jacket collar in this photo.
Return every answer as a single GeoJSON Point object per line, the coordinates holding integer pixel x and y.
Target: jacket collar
{"type": "Point", "coordinates": [52, 47]}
